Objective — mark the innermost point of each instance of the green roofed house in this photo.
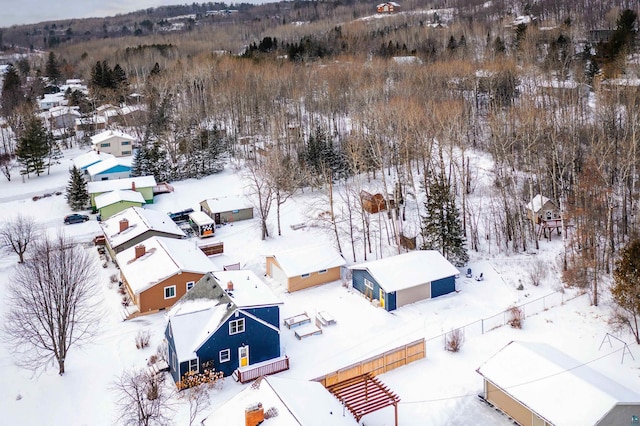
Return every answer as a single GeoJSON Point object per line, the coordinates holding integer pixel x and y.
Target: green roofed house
{"type": "Point", "coordinates": [114, 202]}
{"type": "Point", "coordinates": [142, 184]}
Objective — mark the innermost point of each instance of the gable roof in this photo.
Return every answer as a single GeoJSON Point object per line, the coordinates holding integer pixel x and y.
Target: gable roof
{"type": "Point", "coordinates": [140, 221]}
{"type": "Point", "coordinates": [408, 270]}
{"type": "Point", "coordinates": [164, 257]}
{"type": "Point", "coordinates": [108, 164]}
{"type": "Point", "coordinates": [307, 259]}
{"type": "Point", "coordinates": [85, 160]}
{"type": "Point", "coordinates": [117, 196]}
{"type": "Point", "coordinates": [537, 203]}
{"type": "Point", "coordinates": [112, 185]}
{"type": "Point", "coordinates": [225, 204]}
{"type": "Point", "coordinates": [531, 371]}
{"type": "Point", "coordinates": [108, 134]}
{"type": "Point", "coordinates": [207, 306]}
{"type": "Point", "coordinates": [298, 402]}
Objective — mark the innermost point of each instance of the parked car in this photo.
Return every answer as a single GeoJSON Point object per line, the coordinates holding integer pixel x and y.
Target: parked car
{"type": "Point", "coordinates": [99, 240]}
{"type": "Point", "coordinates": [75, 218]}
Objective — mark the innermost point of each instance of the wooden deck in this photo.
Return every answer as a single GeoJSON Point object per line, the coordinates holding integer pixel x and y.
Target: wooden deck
{"type": "Point", "coordinates": [252, 372]}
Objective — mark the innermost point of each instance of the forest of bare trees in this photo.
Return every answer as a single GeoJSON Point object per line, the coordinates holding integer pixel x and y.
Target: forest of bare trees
{"type": "Point", "coordinates": [336, 99]}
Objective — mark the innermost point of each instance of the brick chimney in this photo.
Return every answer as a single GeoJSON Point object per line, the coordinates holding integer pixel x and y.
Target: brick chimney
{"type": "Point", "coordinates": [133, 186]}
{"type": "Point", "coordinates": [124, 224]}
{"type": "Point", "coordinates": [253, 415]}
{"type": "Point", "coordinates": [140, 251]}
{"type": "Point", "coordinates": [230, 286]}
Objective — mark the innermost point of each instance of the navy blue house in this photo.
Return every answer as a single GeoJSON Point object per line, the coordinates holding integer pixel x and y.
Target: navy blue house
{"type": "Point", "coordinates": [405, 278]}
{"type": "Point", "coordinates": [229, 319]}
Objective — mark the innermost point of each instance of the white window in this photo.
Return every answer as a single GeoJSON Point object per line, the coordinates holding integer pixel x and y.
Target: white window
{"type": "Point", "coordinates": [368, 284]}
{"type": "Point", "coordinates": [322, 271]}
{"type": "Point", "coordinates": [170, 292]}
{"type": "Point", "coordinates": [236, 326]}
{"type": "Point", "coordinates": [190, 285]}
{"type": "Point", "coordinates": [305, 275]}
{"type": "Point", "coordinates": [225, 355]}
{"type": "Point", "coordinates": [193, 365]}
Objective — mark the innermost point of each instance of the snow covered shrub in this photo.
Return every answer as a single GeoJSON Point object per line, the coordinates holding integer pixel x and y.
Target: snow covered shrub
{"type": "Point", "coordinates": [538, 272]}
{"type": "Point", "coordinates": [113, 278]}
{"type": "Point", "coordinates": [454, 340]}
{"type": "Point", "coordinates": [270, 413]}
{"type": "Point", "coordinates": [516, 317]}
{"type": "Point", "coordinates": [142, 339]}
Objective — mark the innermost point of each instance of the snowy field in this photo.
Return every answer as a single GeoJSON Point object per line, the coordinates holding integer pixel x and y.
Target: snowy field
{"type": "Point", "coordinates": [441, 389]}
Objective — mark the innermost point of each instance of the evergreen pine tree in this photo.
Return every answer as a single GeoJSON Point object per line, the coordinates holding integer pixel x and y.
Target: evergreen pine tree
{"type": "Point", "coordinates": [52, 69]}
{"type": "Point", "coordinates": [34, 147]}
{"type": "Point", "coordinates": [12, 93]}
{"type": "Point", "coordinates": [139, 165]}
{"type": "Point", "coordinates": [441, 227]}
{"type": "Point", "coordinates": [120, 78]}
{"type": "Point", "coordinates": [77, 195]}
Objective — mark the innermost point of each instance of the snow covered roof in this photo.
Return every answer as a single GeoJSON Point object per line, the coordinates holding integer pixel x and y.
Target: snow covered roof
{"type": "Point", "coordinates": [537, 202]}
{"type": "Point", "coordinates": [554, 385]}
{"type": "Point", "coordinates": [117, 196]}
{"type": "Point", "coordinates": [223, 260]}
{"type": "Point", "coordinates": [164, 257]}
{"type": "Point", "coordinates": [112, 185]}
{"type": "Point", "coordinates": [298, 402]}
{"type": "Point", "coordinates": [200, 218]}
{"type": "Point", "coordinates": [307, 259]}
{"type": "Point", "coordinates": [83, 161]}
{"type": "Point", "coordinates": [61, 110]}
{"type": "Point", "coordinates": [408, 270]}
{"type": "Point", "coordinates": [248, 289]}
{"type": "Point", "coordinates": [226, 204]}
{"type": "Point", "coordinates": [105, 165]}
{"type": "Point", "coordinates": [140, 220]}
{"type": "Point", "coordinates": [108, 134]}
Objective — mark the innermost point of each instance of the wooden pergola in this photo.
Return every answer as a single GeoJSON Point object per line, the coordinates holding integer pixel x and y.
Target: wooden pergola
{"type": "Point", "coordinates": [365, 394]}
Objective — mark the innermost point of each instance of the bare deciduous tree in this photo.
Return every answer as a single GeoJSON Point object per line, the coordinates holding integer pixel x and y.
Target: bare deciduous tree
{"type": "Point", "coordinates": [261, 193]}
{"type": "Point", "coordinates": [52, 303]}
{"type": "Point", "coordinates": [143, 398]}
{"type": "Point", "coordinates": [17, 235]}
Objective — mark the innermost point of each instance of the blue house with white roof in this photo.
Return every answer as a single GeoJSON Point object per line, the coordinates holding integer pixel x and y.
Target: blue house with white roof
{"type": "Point", "coordinates": [405, 278]}
{"type": "Point", "coordinates": [112, 168]}
{"type": "Point", "coordinates": [228, 320]}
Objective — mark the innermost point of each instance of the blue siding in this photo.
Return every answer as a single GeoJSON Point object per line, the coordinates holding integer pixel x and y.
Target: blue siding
{"type": "Point", "coordinates": [263, 342]}
{"type": "Point", "coordinates": [172, 354]}
{"type": "Point", "coordinates": [443, 286]}
{"type": "Point", "coordinates": [115, 169]}
{"type": "Point", "coordinates": [358, 276]}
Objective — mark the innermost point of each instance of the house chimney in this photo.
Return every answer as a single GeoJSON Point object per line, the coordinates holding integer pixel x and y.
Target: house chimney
{"type": "Point", "coordinates": [230, 286]}
{"type": "Point", "coordinates": [124, 224]}
{"type": "Point", "coordinates": [133, 186]}
{"type": "Point", "coordinates": [140, 251]}
{"type": "Point", "coordinates": [253, 414]}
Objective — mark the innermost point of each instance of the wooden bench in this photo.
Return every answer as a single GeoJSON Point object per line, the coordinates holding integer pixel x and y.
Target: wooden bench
{"type": "Point", "coordinates": [297, 320]}
{"type": "Point", "coordinates": [325, 318]}
{"type": "Point", "coordinates": [307, 330]}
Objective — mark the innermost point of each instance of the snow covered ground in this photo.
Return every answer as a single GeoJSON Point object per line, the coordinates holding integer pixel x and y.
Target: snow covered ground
{"type": "Point", "coordinates": [441, 389]}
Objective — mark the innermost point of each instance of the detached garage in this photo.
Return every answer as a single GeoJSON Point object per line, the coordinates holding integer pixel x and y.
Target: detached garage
{"type": "Point", "coordinates": [405, 278]}
{"type": "Point", "coordinates": [537, 385]}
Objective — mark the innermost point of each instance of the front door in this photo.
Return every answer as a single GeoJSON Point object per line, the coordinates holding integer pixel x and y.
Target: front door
{"type": "Point", "coordinates": [382, 297]}
{"type": "Point", "coordinates": [243, 356]}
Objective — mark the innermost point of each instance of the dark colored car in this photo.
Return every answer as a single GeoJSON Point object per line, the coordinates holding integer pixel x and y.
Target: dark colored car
{"type": "Point", "coordinates": [75, 218]}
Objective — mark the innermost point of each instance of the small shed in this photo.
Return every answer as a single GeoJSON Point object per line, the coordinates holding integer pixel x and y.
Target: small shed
{"type": "Point", "coordinates": [114, 202]}
{"type": "Point", "coordinates": [536, 384]}
{"type": "Point", "coordinates": [202, 224]}
{"type": "Point", "coordinates": [372, 203]}
{"type": "Point", "coordinates": [405, 278]}
{"type": "Point", "coordinates": [541, 209]}
{"type": "Point", "coordinates": [227, 209]}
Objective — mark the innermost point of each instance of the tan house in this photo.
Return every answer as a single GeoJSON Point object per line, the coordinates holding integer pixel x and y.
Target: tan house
{"type": "Point", "coordinates": [305, 267]}
{"type": "Point", "coordinates": [159, 271]}
{"type": "Point", "coordinates": [538, 385]}
{"type": "Point", "coordinates": [388, 7]}
{"type": "Point", "coordinates": [113, 142]}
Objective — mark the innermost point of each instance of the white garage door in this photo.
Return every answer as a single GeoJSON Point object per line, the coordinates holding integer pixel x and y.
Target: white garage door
{"type": "Point", "coordinates": [413, 294]}
{"type": "Point", "coordinates": [278, 275]}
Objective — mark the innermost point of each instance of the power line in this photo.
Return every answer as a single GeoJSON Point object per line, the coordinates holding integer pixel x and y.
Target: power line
{"type": "Point", "coordinates": [512, 386]}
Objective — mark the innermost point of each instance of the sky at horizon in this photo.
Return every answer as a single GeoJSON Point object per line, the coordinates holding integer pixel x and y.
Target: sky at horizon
{"type": "Point", "coordinates": [33, 11]}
